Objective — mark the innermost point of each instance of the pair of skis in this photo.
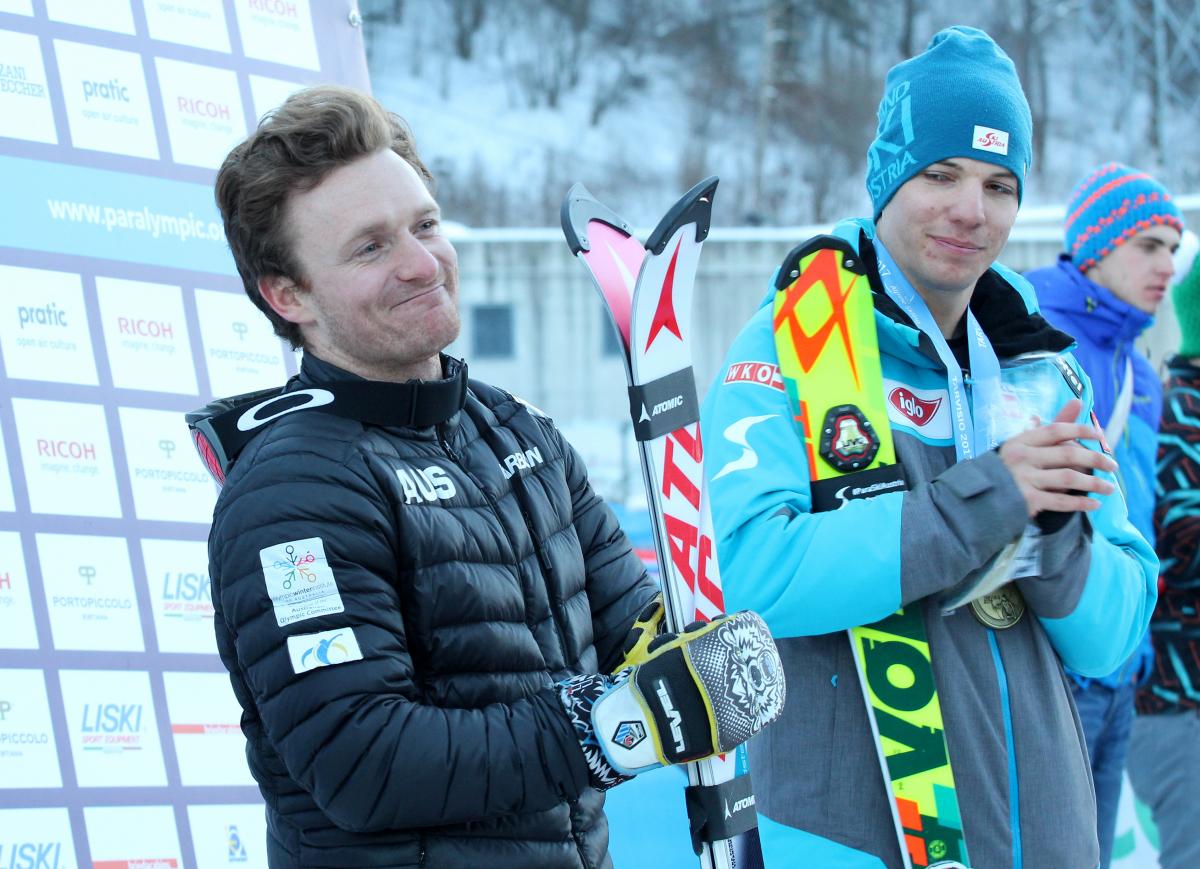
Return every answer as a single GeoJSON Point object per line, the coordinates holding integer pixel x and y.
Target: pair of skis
{"type": "Point", "coordinates": [647, 290]}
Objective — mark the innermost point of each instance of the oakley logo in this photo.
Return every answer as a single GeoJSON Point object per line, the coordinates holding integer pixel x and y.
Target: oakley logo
{"type": "Point", "coordinates": [273, 408]}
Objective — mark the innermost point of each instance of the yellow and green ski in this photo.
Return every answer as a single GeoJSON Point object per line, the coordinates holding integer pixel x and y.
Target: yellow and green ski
{"type": "Point", "coordinates": [828, 351]}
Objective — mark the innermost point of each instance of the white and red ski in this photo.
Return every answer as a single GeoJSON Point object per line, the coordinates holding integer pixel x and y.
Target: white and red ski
{"type": "Point", "coordinates": [647, 291]}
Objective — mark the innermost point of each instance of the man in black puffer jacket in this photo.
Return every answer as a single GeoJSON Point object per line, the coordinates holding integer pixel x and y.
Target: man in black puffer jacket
{"type": "Point", "coordinates": [416, 589]}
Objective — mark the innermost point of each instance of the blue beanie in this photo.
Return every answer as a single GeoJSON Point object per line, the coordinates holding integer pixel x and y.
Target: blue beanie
{"type": "Point", "coordinates": [959, 98]}
{"type": "Point", "coordinates": [1110, 205]}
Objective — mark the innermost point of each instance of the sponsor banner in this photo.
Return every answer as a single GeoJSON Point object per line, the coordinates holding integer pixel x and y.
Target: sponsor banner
{"type": "Point", "coordinates": [90, 593]}
{"type": "Point", "coordinates": [205, 725]}
{"type": "Point", "coordinates": [67, 457]}
{"type": "Point", "coordinates": [169, 481]}
{"type": "Point", "coordinates": [188, 22]}
{"type": "Point", "coordinates": [28, 756]}
{"type": "Point", "coordinates": [114, 15]}
{"type": "Point", "coordinates": [81, 211]}
{"type": "Point", "coordinates": [241, 350]}
{"type": "Point", "coordinates": [44, 327]}
{"type": "Point", "coordinates": [132, 837]}
{"type": "Point", "coordinates": [224, 836]}
{"type": "Point", "coordinates": [17, 629]}
{"type": "Point", "coordinates": [108, 107]}
{"type": "Point", "coordinates": [762, 373]}
{"type": "Point", "coordinates": [269, 93]}
{"type": "Point", "coordinates": [146, 336]}
{"type": "Point", "coordinates": [36, 838]}
{"type": "Point", "coordinates": [180, 595]}
{"type": "Point", "coordinates": [25, 109]}
{"type": "Point", "coordinates": [280, 31]}
{"type": "Point", "coordinates": [203, 108]}
{"type": "Point", "coordinates": [112, 729]}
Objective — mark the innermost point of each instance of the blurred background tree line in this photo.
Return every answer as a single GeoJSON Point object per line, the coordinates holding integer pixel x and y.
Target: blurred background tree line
{"type": "Point", "coordinates": [513, 100]}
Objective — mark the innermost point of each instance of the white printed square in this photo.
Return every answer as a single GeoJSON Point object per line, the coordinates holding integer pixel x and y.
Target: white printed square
{"type": "Point", "coordinates": [300, 581]}
{"type": "Point", "coordinates": [987, 139]}
{"type": "Point", "coordinates": [114, 15]}
{"type": "Point", "coordinates": [108, 107]}
{"type": "Point", "coordinates": [169, 481]}
{"type": "Point", "coordinates": [25, 108]}
{"type": "Point", "coordinates": [44, 326]}
{"type": "Point", "coordinates": [229, 834]}
{"type": "Point", "coordinates": [112, 729]}
{"type": "Point", "coordinates": [17, 628]}
{"type": "Point", "coordinates": [310, 651]}
{"type": "Point", "coordinates": [132, 837]}
{"type": "Point", "coordinates": [188, 22]}
{"type": "Point", "coordinates": [90, 594]}
{"type": "Point", "coordinates": [7, 504]}
{"type": "Point", "coordinates": [17, 7]}
{"type": "Point", "coordinates": [280, 31]}
{"type": "Point", "coordinates": [241, 350]}
{"type": "Point", "coordinates": [37, 838]}
{"type": "Point", "coordinates": [203, 108]}
{"type": "Point", "coordinates": [28, 753]}
{"type": "Point", "coordinates": [180, 595]}
{"type": "Point", "coordinates": [268, 94]}
{"type": "Point", "coordinates": [146, 334]}
{"type": "Point", "coordinates": [205, 717]}
{"type": "Point", "coordinates": [67, 458]}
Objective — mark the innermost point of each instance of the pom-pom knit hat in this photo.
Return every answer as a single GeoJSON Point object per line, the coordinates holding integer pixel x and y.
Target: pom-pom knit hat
{"type": "Point", "coordinates": [1109, 206]}
{"type": "Point", "coordinates": [959, 98]}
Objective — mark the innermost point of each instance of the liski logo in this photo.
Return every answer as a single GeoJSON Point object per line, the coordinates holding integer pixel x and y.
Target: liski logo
{"type": "Point", "coordinates": [919, 410]}
{"type": "Point", "coordinates": [30, 855]}
{"type": "Point", "coordinates": [112, 727]}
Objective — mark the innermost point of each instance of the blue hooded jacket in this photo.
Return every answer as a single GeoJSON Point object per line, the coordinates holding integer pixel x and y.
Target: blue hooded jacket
{"type": "Point", "coordinates": [1104, 328]}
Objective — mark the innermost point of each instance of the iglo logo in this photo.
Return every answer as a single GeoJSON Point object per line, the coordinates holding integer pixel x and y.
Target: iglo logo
{"type": "Point", "coordinates": [919, 410]}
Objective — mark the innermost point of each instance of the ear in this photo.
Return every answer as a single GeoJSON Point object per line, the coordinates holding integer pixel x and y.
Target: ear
{"type": "Point", "coordinates": [286, 299]}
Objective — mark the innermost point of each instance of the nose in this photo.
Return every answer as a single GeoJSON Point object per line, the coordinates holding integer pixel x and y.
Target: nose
{"type": "Point", "coordinates": [967, 206]}
{"type": "Point", "coordinates": [414, 262]}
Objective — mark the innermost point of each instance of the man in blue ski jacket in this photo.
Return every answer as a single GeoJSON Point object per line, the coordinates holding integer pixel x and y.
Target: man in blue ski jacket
{"type": "Point", "coordinates": [946, 174]}
{"type": "Point", "coordinates": [1121, 229]}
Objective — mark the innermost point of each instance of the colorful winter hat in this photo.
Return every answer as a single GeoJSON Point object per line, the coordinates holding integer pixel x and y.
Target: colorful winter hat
{"type": "Point", "coordinates": [959, 98]}
{"type": "Point", "coordinates": [1112, 203]}
{"type": "Point", "coordinates": [1185, 298]}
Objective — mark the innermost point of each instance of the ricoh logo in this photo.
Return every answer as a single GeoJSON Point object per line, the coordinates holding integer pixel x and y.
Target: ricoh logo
{"type": "Point", "coordinates": [281, 8]}
{"type": "Point", "coordinates": [664, 406]}
{"type": "Point", "coordinates": [203, 108]}
{"type": "Point", "coordinates": [917, 409]}
{"type": "Point", "coordinates": [47, 315]}
{"type": "Point", "coordinates": [520, 461]}
{"type": "Point", "coordinates": [426, 485]}
{"type": "Point", "coordinates": [30, 855]}
{"type": "Point", "coordinates": [143, 328]}
{"type": "Point", "coordinates": [111, 91]}
{"type": "Point", "coordinates": [63, 449]}
{"type": "Point", "coordinates": [5, 583]}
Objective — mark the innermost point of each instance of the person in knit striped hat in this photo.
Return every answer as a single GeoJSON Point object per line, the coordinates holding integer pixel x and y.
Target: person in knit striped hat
{"type": "Point", "coordinates": [1121, 229]}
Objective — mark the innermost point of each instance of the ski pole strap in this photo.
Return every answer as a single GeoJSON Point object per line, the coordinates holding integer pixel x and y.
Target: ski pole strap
{"type": "Point", "coordinates": [721, 811]}
{"type": "Point", "coordinates": [662, 406]}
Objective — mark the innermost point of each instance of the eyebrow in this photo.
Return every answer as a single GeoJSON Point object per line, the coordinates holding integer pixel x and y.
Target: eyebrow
{"type": "Point", "coordinates": [1002, 174]}
{"type": "Point", "coordinates": [380, 226]}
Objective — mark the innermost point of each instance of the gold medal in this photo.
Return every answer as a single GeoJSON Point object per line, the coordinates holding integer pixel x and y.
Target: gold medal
{"type": "Point", "coordinates": [1001, 609]}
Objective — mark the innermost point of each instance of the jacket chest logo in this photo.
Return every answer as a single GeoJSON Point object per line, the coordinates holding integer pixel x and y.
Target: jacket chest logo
{"type": "Point", "coordinates": [521, 461]}
{"type": "Point", "coordinates": [922, 409]}
{"type": "Point", "coordinates": [426, 485]}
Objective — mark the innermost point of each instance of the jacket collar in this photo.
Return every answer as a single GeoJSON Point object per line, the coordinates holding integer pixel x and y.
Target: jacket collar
{"type": "Point", "coordinates": [430, 402]}
{"type": "Point", "coordinates": [1094, 310]}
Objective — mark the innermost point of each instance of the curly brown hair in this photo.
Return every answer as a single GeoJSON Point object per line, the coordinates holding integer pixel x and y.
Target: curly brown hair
{"type": "Point", "coordinates": [295, 147]}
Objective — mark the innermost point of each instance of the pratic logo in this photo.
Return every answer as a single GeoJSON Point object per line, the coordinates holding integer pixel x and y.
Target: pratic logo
{"type": "Point", "coordinates": [762, 373]}
{"type": "Point", "coordinates": [919, 410]}
{"type": "Point", "coordinates": [108, 91]}
{"type": "Point", "coordinates": [42, 315]}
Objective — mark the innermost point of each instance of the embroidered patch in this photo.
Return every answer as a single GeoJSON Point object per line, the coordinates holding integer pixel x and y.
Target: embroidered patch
{"type": "Point", "coordinates": [300, 581]}
{"type": "Point", "coordinates": [310, 651]}
{"type": "Point", "coordinates": [987, 139]}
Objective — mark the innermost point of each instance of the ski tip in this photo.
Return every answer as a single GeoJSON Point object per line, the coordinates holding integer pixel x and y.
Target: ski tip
{"type": "Point", "coordinates": [695, 206]}
{"type": "Point", "coordinates": [791, 267]}
{"type": "Point", "coordinates": [578, 209]}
